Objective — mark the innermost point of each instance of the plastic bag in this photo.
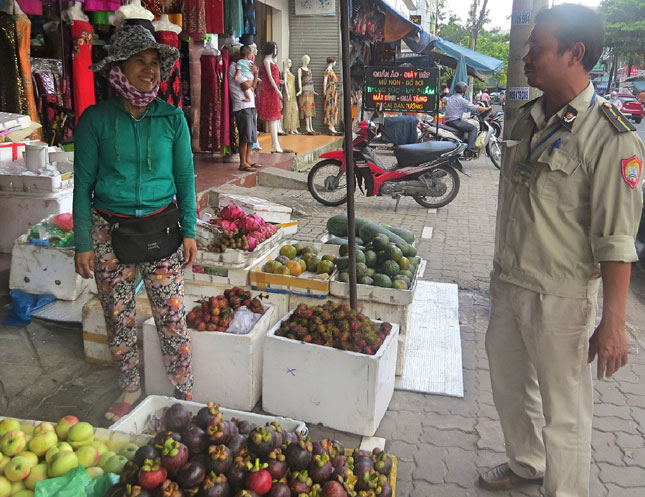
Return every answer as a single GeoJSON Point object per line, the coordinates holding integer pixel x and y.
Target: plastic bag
{"type": "Point", "coordinates": [479, 142]}
{"type": "Point", "coordinates": [99, 486]}
{"type": "Point", "coordinates": [71, 484]}
{"type": "Point", "coordinates": [243, 321]}
{"type": "Point", "coordinates": [23, 304]}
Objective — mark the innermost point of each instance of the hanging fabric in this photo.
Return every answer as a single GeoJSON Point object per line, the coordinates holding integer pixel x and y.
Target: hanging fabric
{"type": "Point", "coordinates": [248, 14]}
{"type": "Point", "coordinates": [170, 90]}
{"type": "Point", "coordinates": [210, 122]}
{"type": "Point", "coordinates": [194, 18]}
{"type": "Point", "coordinates": [225, 111]}
{"type": "Point", "coordinates": [12, 91]}
{"type": "Point", "coordinates": [31, 7]}
{"type": "Point", "coordinates": [23, 32]}
{"type": "Point", "coordinates": [158, 7]}
{"type": "Point", "coordinates": [82, 75]}
{"type": "Point", "coordinates": [214, 16]}
{"type": "Point", "coordinates": [105, 5]}
{"type": "Point", "coordinates": [233, 17]}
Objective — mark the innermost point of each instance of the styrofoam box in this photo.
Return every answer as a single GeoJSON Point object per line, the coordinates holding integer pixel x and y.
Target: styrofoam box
{"type": "Point", "coordinates": [21, 211]}
{"type": "Point", "coordinates": [267, 210]}
{"type": "Point", "coordinates": [95, 342]}
{"type": "Point", "coordinates": [236, 258]}
{"type": "Point", "coordinates": [227, 367]}
{"type": "Point", "coordinates": [136, 421]}
{"type": "Point", "coordinates": [25, 183]}
{"type": "Point", "coordinates": [218, 274]}
{"type": "Point", "coordinates": [343, 390]}
{"type": "Point", "coordinates": [46, 270]}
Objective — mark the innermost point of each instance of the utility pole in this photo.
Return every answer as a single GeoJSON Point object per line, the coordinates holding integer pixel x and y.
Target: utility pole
{"type": "Point", "coordinates": [518, 91]}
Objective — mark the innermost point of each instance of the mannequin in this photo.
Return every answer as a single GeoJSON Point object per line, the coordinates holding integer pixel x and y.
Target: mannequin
{"type": "Point", "coordinates": [133, 10]}
{"type": "Point", "coordinates": [164, 24]}
{"type": "Point", "coordinates": [82, 77]}
{"type": "Point", "coordinates": [291, 118]}
{"type": "Point", "coordinates": [330, 90]}
{"type": "Point", "coordinates": [306, 93]}
{"type": "Point", "coordinates": [270, 104]}
{"type": "Point", "coordinates": [210, 47]}
{"type": "Point", "coordinates": [75, 13]}
{"type": "Point", "coordinates": [11, 7]}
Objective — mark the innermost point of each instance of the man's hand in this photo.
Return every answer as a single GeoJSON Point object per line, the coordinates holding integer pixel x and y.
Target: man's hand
{"type": "Point", "coordinates": [190, 252]}
{"type": "Point", "coordinates": [254, 70]}
{"type": "Point", "coordinates": [84, 263]}
{"type": "Point", "coordinates": [609, 342]}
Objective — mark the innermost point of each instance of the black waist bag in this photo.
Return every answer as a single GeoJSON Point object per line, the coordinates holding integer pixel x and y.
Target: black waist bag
{"type": "Point", "coordinates": [145, 239]}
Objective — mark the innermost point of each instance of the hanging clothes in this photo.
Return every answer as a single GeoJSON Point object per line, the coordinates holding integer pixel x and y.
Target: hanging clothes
{"type": "Point", "coordinates": [31, 7]}
{"type": "Point", "coordinates": [194, 18]}
{"type": "Point", "coordinates": [225, 114]}
{"type": "Point", "coordinates": [170, 90]}
{"type": "Point", "coordinates": [12, 90]}
{"type": "Point", "coordinates": [269, 107]}
{"type": "Point", "coordinates": [331, 98]}
{"type": "Point", "coordinates": [82, 75]}
{"type": "Point", "coordinates": [23, 32]}
{"type": "Point", "coordinates": [158, 7]}
{"type": "Point", "coordinates": [214, 16]}
{"type": "Point", "coordinates": [210, 117]}
{"type": "Point", "coordinates": [307, 101]}
{"type": "Point", "coordinates": [291, 120]}
{"type": "Point", "coordinates": [105, 5]}
{"type": "Point", "coordinates": [248, 15]}
{"type": "Point", "coordinates": [233, 17]}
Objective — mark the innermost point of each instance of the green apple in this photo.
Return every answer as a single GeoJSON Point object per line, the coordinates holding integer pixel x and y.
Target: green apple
{"type": "Point", "coordinates": [115, 464]}
{"type": "Point", "coordinates": [105, 457]}
{"type": "Point", "coordinates": [63, 426]}
{"type": "Point", "coordinates": [44, 426]}
{"type": "Point", "coordinates": [8, 424]}
{"type": "Point", "coordinates": [31, 457]}
{"type": "Point", "coordinates": [23, 493]}
{"type": "Point", "coordinates": [88, 456]}
{"type": "Point", "coordinates": [37, 473]}
{"type": "Point", "coordinates": [100, 446]}
{"type": "Point", "coordinates": [128, 451]}
{"type": "Point", "coordinates": [17, 469]}
{"type": "Point", "coordinates": [42, 442]}
{"type": "Point", "coordinates": [3, 462]}
{"type": "Point", "coordinates": [62, 463]}
{"type": "Point", "coordinates": [5, 487]}
{"type": "Point", "coordinates": [17, 486]}
{"type": "Point", "coordinates": [12, 442]}
{"type": "Point", "coordinates": [80, 434]}
{"type": "Point", "coordinates": [59, 447]}
{"type": "Point", "coordinates": [94, 472]}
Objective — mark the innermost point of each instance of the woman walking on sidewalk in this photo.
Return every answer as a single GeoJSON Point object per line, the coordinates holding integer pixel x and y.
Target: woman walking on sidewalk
{"type": "Point", "coordinates": [132, 155]}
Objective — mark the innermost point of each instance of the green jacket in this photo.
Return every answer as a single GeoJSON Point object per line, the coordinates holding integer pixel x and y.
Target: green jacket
{"type": "Point", "coordinates": [131, 167]}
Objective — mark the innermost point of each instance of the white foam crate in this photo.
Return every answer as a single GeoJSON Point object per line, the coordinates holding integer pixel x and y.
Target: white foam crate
{"type": "Point", "coordinates": [217, 275]}
{"type": "Point", "coordinates": [25, 183]}
{"type": "Point", "coordinates": [379, 294]}
{"type": "Point", "coordinates": [46, 270]}
{"type": "Point", "coordinates": [136, 422]}
{"type": "Point", "coordinates": [342, 390]}
{"type": "Point", "coordinates": [227, 367]}
{"type": "Point", "coordinates": [267, 210]}
{"type": "Point", "coordinates": [236, 258]}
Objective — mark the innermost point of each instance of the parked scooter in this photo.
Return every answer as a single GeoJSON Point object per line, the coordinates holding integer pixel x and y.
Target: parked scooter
{"type": "Point", "coordinates": [489, 140]}
{"type": "Point", "coordinates": [495, 120]}
{"type": "Point", "coordinates": [426, 172]}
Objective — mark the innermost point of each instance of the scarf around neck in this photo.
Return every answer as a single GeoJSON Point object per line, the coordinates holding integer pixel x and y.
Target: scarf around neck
{"type": "Point", "coordinates": [127, 90]}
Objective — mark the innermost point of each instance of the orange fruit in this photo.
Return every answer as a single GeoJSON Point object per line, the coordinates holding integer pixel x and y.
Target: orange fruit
{"type": "Point", "coordinates": [295, 268]}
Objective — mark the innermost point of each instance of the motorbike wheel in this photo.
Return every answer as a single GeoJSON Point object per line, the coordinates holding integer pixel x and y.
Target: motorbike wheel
{"type": "Point", "coordinates": [327, 183]}
{"type": "Point", "coordinates": [494, 151]}
{"type": "Point", "coordinates": [497, 128]}
{"type": "Point", "coordinates": [442, 174]}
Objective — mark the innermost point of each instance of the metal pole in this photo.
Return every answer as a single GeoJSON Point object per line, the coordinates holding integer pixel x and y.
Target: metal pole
{"type": "Point", "coordinates": [347, 112]}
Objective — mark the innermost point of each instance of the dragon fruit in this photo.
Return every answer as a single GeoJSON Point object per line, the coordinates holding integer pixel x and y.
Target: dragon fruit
{"type": "Point", "coordinates": [232, 212]}
{"type": "Point", "coordinates": [253, 242]}
{"type": "Point", "coordinates": [224, 224]}
{"type": "Point", "coordinates": [249, 224]}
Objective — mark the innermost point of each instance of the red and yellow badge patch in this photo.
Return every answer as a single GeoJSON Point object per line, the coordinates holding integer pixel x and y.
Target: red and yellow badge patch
{"type": "Point", "coordinates": [631, 169]}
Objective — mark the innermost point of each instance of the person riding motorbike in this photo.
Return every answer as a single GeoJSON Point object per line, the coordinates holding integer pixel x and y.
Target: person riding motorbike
{"type": "Point", "coordinates": [615, 101]}
{"type": "Point", "coordinates": [455, 107]}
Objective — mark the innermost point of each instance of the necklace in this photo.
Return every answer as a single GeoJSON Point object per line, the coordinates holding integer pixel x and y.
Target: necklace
{"type": "Point", "coordinates": [140, 118]}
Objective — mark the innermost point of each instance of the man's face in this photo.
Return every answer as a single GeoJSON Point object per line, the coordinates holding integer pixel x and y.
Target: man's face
{"type": "Point", "coordinates": [543, 67]}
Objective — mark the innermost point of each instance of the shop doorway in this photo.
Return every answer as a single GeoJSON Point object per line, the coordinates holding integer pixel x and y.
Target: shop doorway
{"type": "Point", "coordinates": [264, 24]}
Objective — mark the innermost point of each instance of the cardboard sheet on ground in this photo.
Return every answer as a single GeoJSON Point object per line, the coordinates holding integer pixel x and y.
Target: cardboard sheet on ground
{"type": "Point", "coordinates": [433, 354]}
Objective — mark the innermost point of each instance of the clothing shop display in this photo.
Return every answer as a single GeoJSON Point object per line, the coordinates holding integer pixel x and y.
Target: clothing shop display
{"type": "Point", "coordinates": [100, 17]}
{"type": "Point", "coordinates": [12, 90]}
{"type": "Point", "coordinates": [269, 105]}
{"type": "Point", "coordinates": [248, 16]}
{"type": "Point", "coordinates": [331, 98]}
{"type": "Point", "coordinates": [291, 120]}
{"type": "Point", "coordinates": [225, 111]}
{"type": "Point", "coordinates": [194, 18]}
{"type": "Point", "coordinates": [31, 7]}
{"type": "Point", "coordinates": [214, 10]}
{"type": "Point", "coordinates": [23, 32]}
{"type": "Point", "coordinates": [104, 5]}
{"type": "Point", "coordinates": [233, 17]}
{"type": "Point", "coordinates": [170, 89]}
{"type": "Point", "coordinates": [158, 7]}
{"type": "Point", "coordinates": [210, 116]}
{"type": "Point", "coordinates": [307, 102]}
{"type": "Point", "coordinates": [82, 75]}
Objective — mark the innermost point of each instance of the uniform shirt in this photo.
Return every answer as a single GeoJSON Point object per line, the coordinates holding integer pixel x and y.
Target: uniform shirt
{"type": "Point", "coordinates": [569, 206]}
{"type": "Point", "coordinates": [456, 105]}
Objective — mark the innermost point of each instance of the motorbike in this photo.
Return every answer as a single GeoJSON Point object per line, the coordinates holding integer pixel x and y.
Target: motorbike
{"type": "Point", "coordinates": [427, 172]}
{"type": "Point", "coordinates": [489, 139]}
{"type": "Point", "coordinates": [495, 120]}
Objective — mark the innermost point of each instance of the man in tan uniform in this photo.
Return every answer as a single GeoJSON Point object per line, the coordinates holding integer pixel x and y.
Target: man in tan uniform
{"type": "Point", "coordinates": [569, 207]}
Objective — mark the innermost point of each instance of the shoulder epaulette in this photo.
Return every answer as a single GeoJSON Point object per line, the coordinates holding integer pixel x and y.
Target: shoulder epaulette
{"type": "Point", "coordinates": [616, 118]}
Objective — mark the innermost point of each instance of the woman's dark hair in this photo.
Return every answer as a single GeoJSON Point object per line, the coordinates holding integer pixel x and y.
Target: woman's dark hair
{"type": "Point", "coordinates": [573, 24]}
{"type": "Point", "coordinates": [270, 48]}
{"type": "Point", "coordinates": [331, 60]}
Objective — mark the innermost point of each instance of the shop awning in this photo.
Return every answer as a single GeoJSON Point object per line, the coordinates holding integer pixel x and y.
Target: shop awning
{"type": "Point", "coordinates": [482, 63]}
{"type": "Point", "coordinates": [397, 26]}
{"type": "Point", "coordinates": [428, 59]}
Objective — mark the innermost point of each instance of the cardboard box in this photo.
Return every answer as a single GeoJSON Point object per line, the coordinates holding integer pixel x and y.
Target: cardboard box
{"type": "Point", "coordinates": [342, 390]}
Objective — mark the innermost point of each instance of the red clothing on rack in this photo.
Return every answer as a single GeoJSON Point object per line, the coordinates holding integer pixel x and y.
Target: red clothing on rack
{"type": "Point", "coordinates": [215, 16]}
{"type": "Point", "coordinates": [226, 106]}
{"type": "Point", "coordinates": [83, 76]}
{"type": "Point", "coordinates": [170, 90]}
{"type": "Point", "coordinates": [210, 117]}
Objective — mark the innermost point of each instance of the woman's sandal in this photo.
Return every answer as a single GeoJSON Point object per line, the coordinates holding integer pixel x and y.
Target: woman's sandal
{"type": "Point", "coordinates": [118, 410]}
{"type": "Point", "coordinates": [255, 165]}
{"type": "Point", "coordinates": [246, 168]}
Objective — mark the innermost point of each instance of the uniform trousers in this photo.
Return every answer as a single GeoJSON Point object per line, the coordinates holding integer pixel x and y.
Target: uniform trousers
{"type": "Point", "coordinates": [537, 348]}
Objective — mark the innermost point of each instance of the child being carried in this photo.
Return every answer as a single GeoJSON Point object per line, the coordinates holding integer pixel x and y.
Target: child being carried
{"type": "Point", "coordinates": [243, 67]}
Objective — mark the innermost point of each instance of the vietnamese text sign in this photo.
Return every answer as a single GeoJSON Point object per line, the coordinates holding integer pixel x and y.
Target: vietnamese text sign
{"type": "Point", "coordinates": [518, 93]}
{"type": "Point", "coordinates": [400, 89]}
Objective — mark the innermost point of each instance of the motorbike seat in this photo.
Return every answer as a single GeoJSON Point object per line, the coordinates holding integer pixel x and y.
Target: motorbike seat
{"type": "Point", "coordinates": [456, 131]}
{"type": "Point", "coordinates": [418, 153]}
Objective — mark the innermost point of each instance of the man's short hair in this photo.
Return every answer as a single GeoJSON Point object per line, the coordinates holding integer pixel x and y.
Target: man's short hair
{"type": "Point", "coordinates": [245, 51]}
{"type": "Point", "coordinates": [573, 24]}
{"type": "Point", "coordinates": [461, 87]}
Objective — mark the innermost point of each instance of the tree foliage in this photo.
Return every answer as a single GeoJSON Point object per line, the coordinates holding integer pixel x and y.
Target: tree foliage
{"type": "Point", "coordinates": [625, 26]}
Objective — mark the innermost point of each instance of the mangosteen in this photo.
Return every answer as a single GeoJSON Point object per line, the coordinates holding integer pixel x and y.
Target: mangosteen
{"type": "Point", "coordinates": [195, 439]}
{"type": "Point", "coordinates": [145, 452]}
{"type": "Point", "coordinates": [201, 459]}
{"type": "Point", "coordinates": [321, 447]}
{"type": "Point", "coordinates": [300, 483]}
{"type": "Point", "coordinates": [277, 464]}
{"type": "Point", "coordinates": [289, 437]}
{"type": "Point", "coordinates": [176, 418]}
{"type": "Point", "coordinates": [164, 435]}
{"type": "Point", "coordinates": [169, 489]}
{"type": "Point", "coordinates": [260, 441]}
{"type": "Point", "coordinates": [207, 415]}
{"type": "Point", "coordinates": [333, 489]}
{"type": "Point", "coordinates": [338, 460]}
{"type": "Point", "coordinates": [244, 426]}
{"type": "Point", "coordinates": [277, 431]}
{"type": "Point", "coordinates": [190, 475]}
{"type": "Point", "coordinates": [279, 489]}
{"type": "Point", "coordinates": [367, 481]}
{"type": "Point", "coordinates": [116, 490]}
{"type": "Point", "coordinates": [320, 468]}
{"type": "Point", "coordinates": [384, 489]}
{"type": "Point", "coordinates": [130, 473]}
{"type": "Point", "coordinates": [136, 491]}
{"type": "Point", "coordinates": [246, 493]}
{"type": "Point", "coordinates": [173, 455]}
{"type": "Point", "coordinates": [382, 461]}
{"type": "Point", "coordinates": [219, 459]}
{"type": "Point", "coordinates": [236, 474]}
{"type": "Point", "coordinates": [340, 472]}
{"type": "Point", "coordinates": [237, 443]}
{"type": "Point", "coordinates": [219, 433]}
{"type": "Point", "coordinates": [232, 427]}
{"type": "Point", "coordinates": [215, 486]}
{"type": "Point", "coordinates": [362, 455]}
{"type": "Point", "coordinates": [299, 454]}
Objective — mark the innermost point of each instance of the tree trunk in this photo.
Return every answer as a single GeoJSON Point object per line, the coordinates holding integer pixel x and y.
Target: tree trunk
{"type": "Point", "coordinates": [612, 70]}
{"type": "Point", "coordinates": [629, 66]}
{"type": "Point", "coordinates": [476, 21]}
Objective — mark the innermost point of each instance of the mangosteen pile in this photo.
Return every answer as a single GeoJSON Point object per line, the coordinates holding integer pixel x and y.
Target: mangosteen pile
{"type": "Point", "coordinates": [207, 456]}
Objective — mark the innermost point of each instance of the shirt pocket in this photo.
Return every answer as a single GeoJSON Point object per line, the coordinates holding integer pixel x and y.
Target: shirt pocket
{"type": "Point", "coordinates": [510, 150]}
{"type": "Point", "coordinates": [561, 177]}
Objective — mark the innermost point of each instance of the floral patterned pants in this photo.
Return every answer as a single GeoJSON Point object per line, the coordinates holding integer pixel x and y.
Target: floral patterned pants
{"type": "Point", "coordinates": [164, 281]}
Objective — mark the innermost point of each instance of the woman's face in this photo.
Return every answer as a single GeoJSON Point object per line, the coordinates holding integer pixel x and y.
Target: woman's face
{"type": "Point", "coordinates": [143, 70]}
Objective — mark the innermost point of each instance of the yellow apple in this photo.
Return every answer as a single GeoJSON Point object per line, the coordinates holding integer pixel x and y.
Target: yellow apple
{"type": "Point", "coordinates": [13, 442]}
{"type": "Point", "coordinates": [23, 493]}
{"type": "Point", "coordinates": [44, 426]}
{"type": "Point", "coordinates": [17, 469]}
{"type": "Point", "coordinates": [31, 457]}
{"type": "Point", "coordinates": [59, 447]}
{"type": "Point", "coordinates": [8, 424]}
{"type": "Point", "coordinates": [88, 456]}
{"type": "Point", "coordinates": [17, 486]}
{"type": "Point", "coordinates": [37, 473]}
{"type": "Point", "coordinates": [63, 426]}
{"type": "Point", "coordinates": [100, 446]}
{"type": "Point", "coordinates": [5, 487]}
{"type": "Point", "coordinates": [3, 462]}
{"type": "Point", "coordinates": [42, 442]}
{"type": "Point", "coordinates": [94, 472]}
{"type": "Point", "coordinates": [80, 434]}
{"type": "Point", "coordinates": [62, 463]}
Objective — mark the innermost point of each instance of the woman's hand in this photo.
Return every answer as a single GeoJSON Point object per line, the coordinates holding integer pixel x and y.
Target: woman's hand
{"type": "Point", "coordinates": [84, 263]}
{"type": "Point", "coordinates": [190, 252]}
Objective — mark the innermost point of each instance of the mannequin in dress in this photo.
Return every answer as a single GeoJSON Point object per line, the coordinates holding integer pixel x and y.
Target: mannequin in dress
{"type": "Point", "coordinates": [291, 118]}
{"type": "Point", "coordinates": [75, 13]}
{"type": "Point", "coordinates": [132, 10]}
{"type": "Point", "coordinates": [164, 24]}
{"type": "Point", "coordinates": [330, 90]}
{"type": "Point", "coordinates": [306, 93]}
{"type": "Point", "coordinates": [210, 47]}
{"type": "Point", "coordinates": [270, 105]}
